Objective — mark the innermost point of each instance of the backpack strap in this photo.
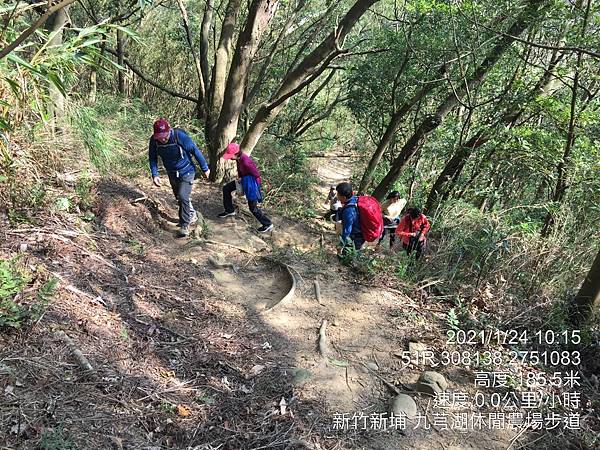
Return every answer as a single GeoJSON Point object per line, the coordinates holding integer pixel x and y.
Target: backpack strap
{"type": "Point", "coordinates": [176, 139]}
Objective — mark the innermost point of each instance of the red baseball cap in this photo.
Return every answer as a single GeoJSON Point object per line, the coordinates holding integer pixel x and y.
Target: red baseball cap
{"type": "Point", "coordinates": [232, 149]}
{"type": "Point", "coordinates": [162, 129]}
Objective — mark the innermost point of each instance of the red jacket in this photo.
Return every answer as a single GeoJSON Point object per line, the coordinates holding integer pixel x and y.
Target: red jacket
{"type": "Point", "coordinates": [408, 226]}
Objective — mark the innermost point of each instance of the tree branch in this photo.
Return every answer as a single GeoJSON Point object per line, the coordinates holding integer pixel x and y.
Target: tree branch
{"type": "Point", "coordinates": [154, 83]}
{"type": "Point", "coordinates": [38, 23]}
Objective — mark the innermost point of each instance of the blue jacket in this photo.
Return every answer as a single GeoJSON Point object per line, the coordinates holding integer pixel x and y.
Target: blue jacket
{"type": "Point", "coordinates": [251, 188]}
{"type": "Point", "coordinates": [176, 155]}
{"type": "Point", "coordinates": [350, 222]}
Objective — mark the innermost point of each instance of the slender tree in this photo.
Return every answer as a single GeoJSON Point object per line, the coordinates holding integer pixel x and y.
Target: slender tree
{"type": "Point", "coordinates": [588, 296]}
{"type": "Point", "coordinates": [530, 13]}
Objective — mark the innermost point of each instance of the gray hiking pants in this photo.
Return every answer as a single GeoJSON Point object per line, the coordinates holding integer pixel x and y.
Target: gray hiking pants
{"type": "Point", "coordinates": [182, 189]}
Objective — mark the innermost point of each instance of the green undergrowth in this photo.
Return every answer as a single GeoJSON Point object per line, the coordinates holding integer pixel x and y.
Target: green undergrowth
{"type": "Point", "coordinates": [114, 131]}
{"type": "Point", "coordinates": [23, 296]}
{"type": "Point", "coordinates": [287, 178]}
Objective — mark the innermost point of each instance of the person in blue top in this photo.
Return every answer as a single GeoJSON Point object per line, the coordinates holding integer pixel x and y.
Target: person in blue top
{"type": "Point", "coordinates": [351, 235]}
{"type": "Point", "coordinates": [175, 149]}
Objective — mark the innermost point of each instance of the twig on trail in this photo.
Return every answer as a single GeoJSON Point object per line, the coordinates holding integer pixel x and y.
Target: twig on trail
{"type": "Point", "coordinates": [431, 283]}
{"type": "Point", "coordinates": [139, 199]}
{"type": "Point", "coordinates": [513, 440]}
{"type": "Point", "coordinates": [168, 390]}
{"type": "Point", "coordinates": [347, 382]}
{"type": "Point", "coordinates": [241, 249]}
{"type": "Point", "coordinates": [90, 254]}
{"type": "Point", "coordinates": [171, 292]}
{"type": "Point", "coordinates": [387, 383]}
{"type": "Point", "coordinates": [318, 291]}
{"type": "Point", "coordinates": [74, 290]}
{"type": "Point", "coordinates": [248, 262]}
{"type": "Point", "coordinates": [81, 360]}
{"type": "Point", "coordinates": [323, 347]}
{"type": "Point", "coordinates": [158, 325]}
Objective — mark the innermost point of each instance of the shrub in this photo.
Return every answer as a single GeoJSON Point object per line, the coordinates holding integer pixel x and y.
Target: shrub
{"type": "Point", "coordinates": [16, 308]}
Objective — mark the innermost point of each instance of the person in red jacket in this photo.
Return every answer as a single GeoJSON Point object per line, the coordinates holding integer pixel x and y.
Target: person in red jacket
{"type": "Point", "coordinates": [412, 230]}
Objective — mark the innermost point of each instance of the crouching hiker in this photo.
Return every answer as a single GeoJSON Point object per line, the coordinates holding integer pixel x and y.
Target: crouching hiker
{"type": "Point", "coordinates": [351, 235]}
{"type": "Point", "coordinates": [175, 149]}
{"type": "Point", "coordinates": [249, 177]}
{"type": "Point", "coordinates": [391, 210]}
{"type": "Point", "coordinates": [412, 230]}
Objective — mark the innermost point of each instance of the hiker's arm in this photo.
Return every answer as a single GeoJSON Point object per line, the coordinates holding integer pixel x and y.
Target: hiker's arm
{"type": "Point", "coordinates": [348, 216]}
{"type": "Point", "coordinates": [403, 228]}
{"type": "Point", "coordinates": [426, 226]}
{"type": "Point", "coordinates": [188, 144]}
{"type": "Point", "coordinates": [153, 158]}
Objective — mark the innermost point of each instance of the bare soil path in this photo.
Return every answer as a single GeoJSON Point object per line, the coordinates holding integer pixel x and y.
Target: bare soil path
{"type": "Point", "coordinates": [190, 347]}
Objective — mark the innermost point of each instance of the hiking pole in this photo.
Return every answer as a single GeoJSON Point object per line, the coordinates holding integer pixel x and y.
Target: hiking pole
{"type": "Point", "coordinates": [414, 241]}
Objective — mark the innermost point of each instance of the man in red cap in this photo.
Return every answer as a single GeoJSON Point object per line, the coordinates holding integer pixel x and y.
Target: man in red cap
{"type": "Point", "coordinates": [175, 149]}
{"type": "Point", "coordinates": [249, 177]}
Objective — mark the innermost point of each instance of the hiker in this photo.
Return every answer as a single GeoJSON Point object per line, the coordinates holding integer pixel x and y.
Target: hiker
{"type": "Point", "coordinates": [335, 206]}
{"type": "Point", "coordinates": [176, 148]}
{"type": "Point", "coordinates": [391, 210]}
{"type": "Point", "coordinates": [249, 178]}
{"type": "Point", "coordinates": [412, 230]}
{"type": "Point", "coordinates": [351, 235]}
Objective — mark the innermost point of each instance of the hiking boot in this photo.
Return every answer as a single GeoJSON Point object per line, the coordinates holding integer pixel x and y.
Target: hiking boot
{"type": "Point", "coordinates": [184, 231]}
{"type": "Point", "coordinates": [265, 228]}
{"type": "Point", "coordinates": [226, 214]}
{"type": "Point", "coordinates": [194, 218]}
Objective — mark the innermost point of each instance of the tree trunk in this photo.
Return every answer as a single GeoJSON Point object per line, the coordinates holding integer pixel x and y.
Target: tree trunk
{"type": "Point", "coordinates": [219, 76]}
{"type": "Point", "coordinates": [588, 296]}
{"type": "Point", "coordinates": [561, 169]}
{"type": "Point", "coordinates": [259, 16]}
{"type": "Point", "coordinates": [195, 58]}
{"type": "Point", "coordinates": [93, 86]}
{"type": "Point", "coordinates": [413, 182]}
{"type": "Point", "coordinates": [451, 171]}
{"type": "Point", "coordinates": [305, 73]}
{"type": "Point", "coordinates": [55, 24]}
{"type": "Point", "coordinates": [121, 62]}
{"type": "Point", "coordinates": [431, 122]}
{"type": "Point", "coordinates": [204, 44]}
{"type": "Point", "coordinates": [447, 178]}
{"type": "Point", "coordinates": [263, 69]}
{"type": "Point", "coordinates": [390, 131]}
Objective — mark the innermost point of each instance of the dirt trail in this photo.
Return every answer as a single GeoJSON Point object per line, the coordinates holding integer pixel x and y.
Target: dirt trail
{"type": "Point", "coordinates": [367, 325]}
{"type": "Point", "coordinates": [187, 348]}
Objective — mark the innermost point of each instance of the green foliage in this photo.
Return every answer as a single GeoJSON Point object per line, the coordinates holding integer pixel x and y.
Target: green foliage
{"type": "Point", "coordinates": [83, 190]}
{"type": "Point", "coordinates": [287, 179]}
{"type": "Point", "coordinates": [457, 317]}
{"type": "Point", "coordinates": [113, 131]}
{"type": "Point", "coordinates": [62, 204]}
{"type": "Point", "coordinates": [57, 439]}
{"type": "Point", "coordinates": [25, 198]}
{"type": "Point", "coordinates": [28, 74]}
{"type": "Point", "coordinates": [16, 308]}
{"type": "Point", "coordinates": [101, 146]}
{"type": "Point", "coordinates": [137, 247]}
